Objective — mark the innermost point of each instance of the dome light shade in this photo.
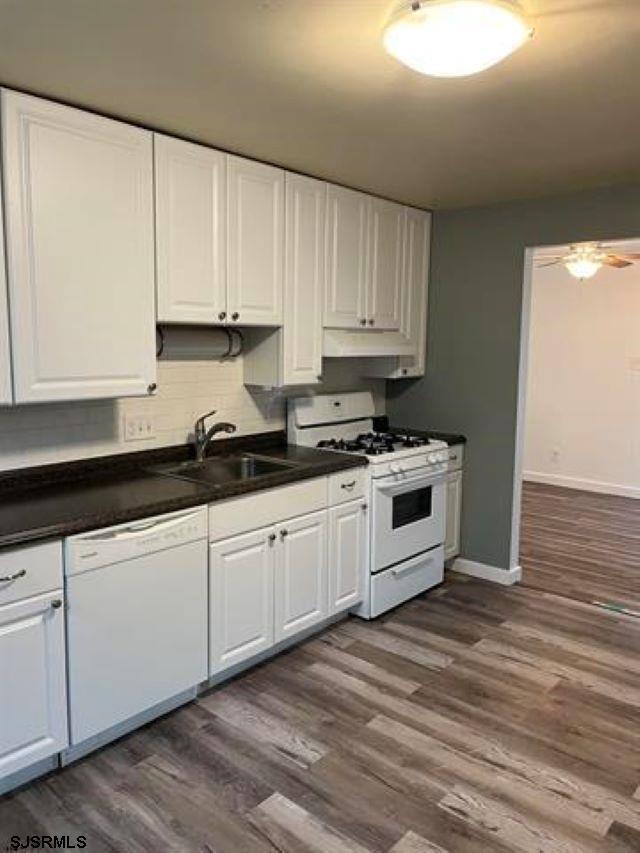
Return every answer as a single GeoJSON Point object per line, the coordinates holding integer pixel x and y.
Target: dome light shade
{"type": "Point", "coordinates": [584, 261]}
{"type": "Point", "coordinates": [455, 38]}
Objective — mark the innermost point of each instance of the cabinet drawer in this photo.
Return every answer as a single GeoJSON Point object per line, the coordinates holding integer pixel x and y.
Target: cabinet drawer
{"type": "Point", "coordinates": [239, 515]}
{"type": "Point", "coordinates": [393, 586]}
{"type": "Point", "coordinates": [38, 569]}
{"type": "Point", "coordinates": [346, 486]}
{"type": "Point", "coordinates": [456, 457]}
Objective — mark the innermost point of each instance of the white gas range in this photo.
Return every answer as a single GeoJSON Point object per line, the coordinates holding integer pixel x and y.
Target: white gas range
{"type": "Point", "coordinates": [407, 493]}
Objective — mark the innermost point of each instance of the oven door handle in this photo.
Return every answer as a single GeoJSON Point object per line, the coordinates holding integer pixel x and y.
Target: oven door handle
{"type": "Point", "coordinates": [410, 484]}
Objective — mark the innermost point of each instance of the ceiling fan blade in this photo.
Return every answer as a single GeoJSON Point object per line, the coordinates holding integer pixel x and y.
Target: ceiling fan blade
{"type": "Point", "coordinates": [617, 262]}
{"type": "Point", "coordinates": [549, 263]}
{"type": "Point", "coordinates": [629, 256]}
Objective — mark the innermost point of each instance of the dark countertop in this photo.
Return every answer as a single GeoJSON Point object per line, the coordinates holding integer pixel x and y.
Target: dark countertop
{"type": "Point", "coordinates": [59, 500]}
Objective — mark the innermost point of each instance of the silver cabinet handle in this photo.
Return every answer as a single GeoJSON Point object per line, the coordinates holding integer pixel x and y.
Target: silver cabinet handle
{"type": "Point", "coordinates": [452, 457]}
{"type": "Point", "coordinates": [362, 322]}
{"type": "Point", "coordinates": [152, 388]}
{"type": "Point", "coordinates": [56, 603]}
{"type": "Point", "coordinates": [272, 538]}
{"type": "Point", "coordinates": [284, 533]}
{"type": "Point", "coordinates": [365, 507]}
{"type": "Point", "coordinates": [15, 577]}
{"type": "Point", "coordinates": [348, 485]}
{"type": "Point", "coordinates": [222, 315]}
{"type": "Point", "coordinates": [235, 316]}
{"type": "Point", "coordinates": [371, 322]}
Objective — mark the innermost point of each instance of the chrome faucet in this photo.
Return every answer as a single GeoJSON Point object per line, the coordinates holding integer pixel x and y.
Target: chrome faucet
{"type": "Point", "coordinates": [203, 436]}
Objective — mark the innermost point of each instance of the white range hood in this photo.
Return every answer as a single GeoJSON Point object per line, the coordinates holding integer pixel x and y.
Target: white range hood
{"type": "Point", "coordinates": [344, 343]}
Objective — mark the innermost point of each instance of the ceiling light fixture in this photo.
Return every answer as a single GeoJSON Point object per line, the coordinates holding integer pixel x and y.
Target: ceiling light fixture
{"type": "Point", "coordinates": [584, 261]}
{"type": "Point", "coordinates": [455, 38]}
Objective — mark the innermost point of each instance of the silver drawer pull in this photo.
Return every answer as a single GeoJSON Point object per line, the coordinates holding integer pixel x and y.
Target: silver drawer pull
{"type": "Point", "coordinates": [452, 457]}
{"type": "Point", "coordinates": [348, 485]}
{"type": "Point", "coordinates": [15, 577]}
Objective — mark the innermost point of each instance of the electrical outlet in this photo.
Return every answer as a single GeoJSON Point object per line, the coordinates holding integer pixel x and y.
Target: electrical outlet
{"type": "Point", "coordinates": [138, 427]}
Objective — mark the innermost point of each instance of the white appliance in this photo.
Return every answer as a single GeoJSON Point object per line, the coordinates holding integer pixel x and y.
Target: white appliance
{"type": "Point", "coordinates": [137, 618]}
{"type": "Point", "coordinates": [406, 487]}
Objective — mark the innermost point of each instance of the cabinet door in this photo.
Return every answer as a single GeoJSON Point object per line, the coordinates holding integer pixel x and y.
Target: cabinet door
{"type": "Point", "coordinates": [346, 276]}
{"type": "Point", "coordinates": [386, 230]}
{"type": "Point", "coordinates": [304, 279]}
{"type": "Point", "coordinates": [240, 598]}
{"type": "Point", "coordinates": [6, 394]}
{"type": "Point", "coordinates": [301, 595]}
{"type": "Point", "coordinates": [347, 544]}
{"type": "Point", "coordinates": [415, 290]}
{"type": "Point", "coordinates": [256, 243]}
{"type": "Point", "coordinates": [454, 511]}
{"type": "Point", "coordinates": [79, 218]}
{"type": "Point", "coordinates": [33, 704]}
{"type": "Point", "coordinates": [190, 184]}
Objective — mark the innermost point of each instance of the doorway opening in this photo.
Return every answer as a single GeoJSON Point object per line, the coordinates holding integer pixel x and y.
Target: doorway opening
{"type": "Point", "coordinates": [576, 525]}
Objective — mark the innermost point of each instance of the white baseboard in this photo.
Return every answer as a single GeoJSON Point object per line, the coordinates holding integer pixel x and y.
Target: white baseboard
{"type": "Point", "coordinates": [505, 577]}
{"type": "Point", "coordinates": [582, 484]}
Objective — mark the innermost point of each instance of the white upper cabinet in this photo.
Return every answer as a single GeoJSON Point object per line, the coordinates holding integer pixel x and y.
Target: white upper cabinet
{"type": "Point", "coordinates": [346, 276]}
{"type": "Point", "coordinates": [191, 211]}
{"type": "Point", "coordinates": [255, 242]}
{"type": "Point", "coordinates": [6, 395]}
{"type": "Point", "coordinates": [413, 298]}
{"type": "Point", "coordinates": [304, 279]}
{"type": "Point", "coordinates": [386, 229]}
{"type": "Point", "coordinates": [415, 290]}
{"type": "Point", "coordinates": [79, 220]}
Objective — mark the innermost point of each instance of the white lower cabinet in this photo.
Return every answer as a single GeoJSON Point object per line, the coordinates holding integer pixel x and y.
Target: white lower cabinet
{"type": "Point", "coordinates": [301, 574]}
{"type": "Point", "coordinates": [273, 584]}
{"type": "Point", "coordinates": [240, 598]}
{"type": "Point", "coordinates": [454, 511]}
{"type": "Point", "coordinates": [33, 702]}
{"type": "Point", "coordinates": [347, 553]}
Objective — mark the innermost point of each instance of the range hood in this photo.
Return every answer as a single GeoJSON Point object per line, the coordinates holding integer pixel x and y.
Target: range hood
{"type": "Point", "coordinates": [345, 343]}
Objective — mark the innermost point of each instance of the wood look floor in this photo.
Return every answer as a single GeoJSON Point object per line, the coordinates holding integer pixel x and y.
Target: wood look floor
{"type": "Point", "coordinates": [474, 718]}
{"type": "Point", "coordinates": [581, 544]}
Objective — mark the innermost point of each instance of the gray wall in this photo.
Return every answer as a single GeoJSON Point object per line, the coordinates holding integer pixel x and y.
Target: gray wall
{"type": "Point", "coordinates": [473, 345]}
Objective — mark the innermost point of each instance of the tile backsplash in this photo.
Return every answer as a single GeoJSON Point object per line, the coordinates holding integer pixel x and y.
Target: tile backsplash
{"type": "Point", "coordinates": [187, 387]}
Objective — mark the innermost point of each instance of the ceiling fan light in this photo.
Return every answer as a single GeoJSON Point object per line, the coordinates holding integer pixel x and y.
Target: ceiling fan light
{"type": "Point", "coordinates": [455, 38]}
{"type": "Point", "coordinates": [583, 268]}
{"type": "Point", "coordinates": [584, 261]}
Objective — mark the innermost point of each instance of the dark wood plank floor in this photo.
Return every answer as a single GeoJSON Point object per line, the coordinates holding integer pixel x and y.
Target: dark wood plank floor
{"type": "Point", "coordinates": [581, 544]}
{"type": "Point", "coordinates": [475, 718]}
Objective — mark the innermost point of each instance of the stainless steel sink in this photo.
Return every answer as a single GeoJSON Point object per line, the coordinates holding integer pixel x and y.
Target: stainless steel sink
{"type": "Point", "coordinates": [221, 470]}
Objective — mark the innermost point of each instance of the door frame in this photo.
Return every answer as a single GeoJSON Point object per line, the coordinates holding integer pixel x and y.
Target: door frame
{"type": "Point", "coordinates": [523, 378]}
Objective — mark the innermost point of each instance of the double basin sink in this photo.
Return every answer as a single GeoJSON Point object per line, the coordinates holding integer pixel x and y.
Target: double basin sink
{"type": "Point", "coordinates": [223, 470]}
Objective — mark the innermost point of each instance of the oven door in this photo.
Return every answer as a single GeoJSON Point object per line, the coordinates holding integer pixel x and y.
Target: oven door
{"type": "Point", "coordinates": [408, 517]}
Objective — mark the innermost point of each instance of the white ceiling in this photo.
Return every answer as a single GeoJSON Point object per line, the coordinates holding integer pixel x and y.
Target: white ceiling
{"type": "Point", "coordinates": [307, 84]}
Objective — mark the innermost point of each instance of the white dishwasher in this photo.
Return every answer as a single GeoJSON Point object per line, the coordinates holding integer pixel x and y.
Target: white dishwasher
{"type": "Point", "coordinates": [136, 619]}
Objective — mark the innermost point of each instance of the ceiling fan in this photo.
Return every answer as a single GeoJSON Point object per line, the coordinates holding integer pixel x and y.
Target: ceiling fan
{"type": "Point", "coordinates": [583, 260]}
